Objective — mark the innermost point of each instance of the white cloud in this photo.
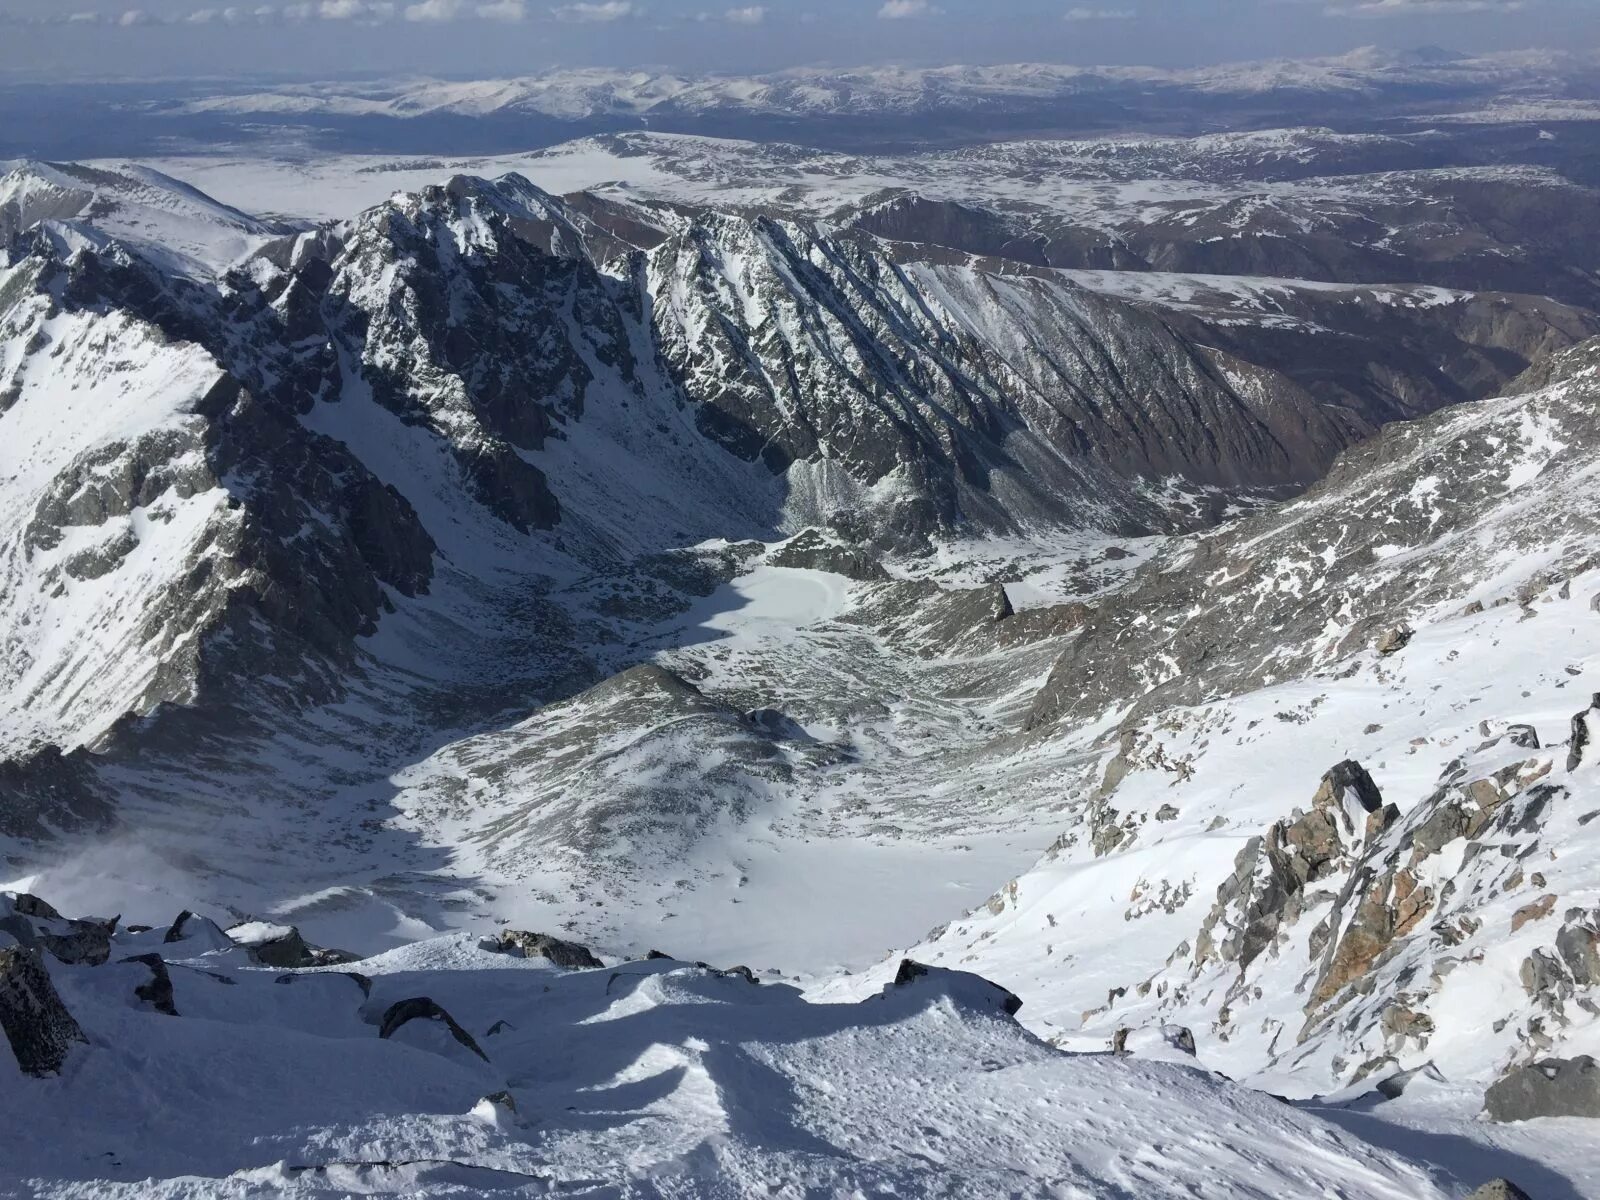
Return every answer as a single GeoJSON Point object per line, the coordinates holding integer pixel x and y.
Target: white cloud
{"type": "Point", "coordinates": [603, 10]}
{"type": "Point", "coordinates": [355, 10]}
{"type": "Point", "coordinates": [1099, 14]}
{"type": "Point", "coordinates": [1408, 8]}
{"type": "Point", "coordinates": [135, 16]}
{"type": "Point", "coordinates": [753, 15]}
{"type": "Point", "coordinates": [900, 10]}
{"type": "Point", "coordinates": [434, 10]}
{"type": "Point", "coordinates": [509, 11]}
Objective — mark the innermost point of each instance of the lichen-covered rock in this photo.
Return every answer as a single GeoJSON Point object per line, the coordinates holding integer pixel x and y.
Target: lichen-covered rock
{"type": "Point", "coordinates": [35, 1021]}
{"type": "Point", "coordinates": [1265, 891]}
{"type": "Point", "coordinates": [1393, 639]}
{"type": "Point", "coordinates": [1498, 1189]}
{"type": "Point", "coordinates": [519, 943]}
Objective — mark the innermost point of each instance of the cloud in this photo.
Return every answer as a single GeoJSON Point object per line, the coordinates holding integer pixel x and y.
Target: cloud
{"type": "Point", "coordinates": [356, 10]}
{"type": "Point", "coordinates": [1099, 14]}
{"type": "Point", "coordinates": [900, 10]}
{"type": "Point", "coordinates": [1410, 8]}
{"type": "Point", "coordinates": [434, 10]}
{"type": "Point", "coordinates": [365, 12]}
{"type": "Point", "coordinates": [595, 13]}
{"type": "Point", "coordinates": [753, 15]}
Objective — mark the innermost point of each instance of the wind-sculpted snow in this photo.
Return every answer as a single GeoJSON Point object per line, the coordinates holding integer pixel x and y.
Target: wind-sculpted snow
{"type": "Point", "coordinates": [655, 1078]}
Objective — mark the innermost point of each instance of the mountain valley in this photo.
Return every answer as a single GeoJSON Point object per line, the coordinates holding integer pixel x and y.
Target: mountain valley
{"type": "Point", "coordinates": [1016, 599]}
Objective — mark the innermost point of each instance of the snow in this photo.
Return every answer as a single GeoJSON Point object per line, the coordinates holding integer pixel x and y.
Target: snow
{"type": "Point", "coordinates": [646, 1079]}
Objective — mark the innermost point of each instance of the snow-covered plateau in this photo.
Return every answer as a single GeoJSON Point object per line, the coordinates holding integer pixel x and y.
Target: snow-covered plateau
{"type": "Point", "coordinates": [673, 666]}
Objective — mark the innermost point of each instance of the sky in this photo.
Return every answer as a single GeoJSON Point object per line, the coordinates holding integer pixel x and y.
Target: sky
{"type": "Point", "coordinates": [154, 39]}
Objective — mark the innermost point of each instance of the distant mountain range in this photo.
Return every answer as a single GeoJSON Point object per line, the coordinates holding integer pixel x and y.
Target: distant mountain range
{"type": "Point", "coordinates": [880, 107]}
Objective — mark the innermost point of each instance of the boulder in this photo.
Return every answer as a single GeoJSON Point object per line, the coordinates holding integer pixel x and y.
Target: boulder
{"type": "Point", "coordinates": [1526, 737]}
{"type": "Point", "coordinates": [282, 946]}
{"type": "Point", "coordinates": [35, 1021]}
{"type": "Point", "coordinates": [1537, 911]}
{"type": "Point", "coordinates": [32, 922]}
{"type": "Point", "coordinates": [157, 991]}
{"type": "Point", "coordinates": [964, 988]}
{"type": "Point", "coordinates": [1554, 1087]}
{"type": "Point", "coordinates": [1578, 943]}
{"type": "Point", "coordinates": [1499, 1189]}
{"type": "Point", "coordinates": [205, 933]}
{"type": "Point", "coordinates": [421, 1008]}
{"type": "Point", "coordinates": [1393, 639]}
{"type": "Point", "coordinates": [1179, 1037]}
{"type": "Point", "coordinates": [519, 943]}
{"type": "Point", "coordinates": [1583, 733]}
{"type": "Point", "coordinates": [498, 1109]}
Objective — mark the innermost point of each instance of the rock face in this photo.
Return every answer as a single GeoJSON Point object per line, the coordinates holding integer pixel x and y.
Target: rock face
{"type": "Point", "coordinates": [475, 359]}
{"type": "Point", "coordinates": [1266, 890]}
{"type": "Point", "coordinates": [36, 1023]}
{"type": "Point", "coordinates": [1552, 1088]}
{"type": "Point", "coordinates": [1269, 588]}
{"type": "Point", "coordinates": [522, 944]}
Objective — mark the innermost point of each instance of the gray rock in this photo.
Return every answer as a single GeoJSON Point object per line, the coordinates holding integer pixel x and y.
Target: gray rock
{"type": "Point", "coordinates": [519, 943]}
{"type": "Point", "coordinates": [1499, 1189]}
{"type": "Point", "coordinates": [968, 986]}
{"type": "Point", "coordinates": [1554, 1087]}
{"type": "Point", "coordinates": [1578, 943]}
{"type": "Point", "coordinates": [421, 1008]}
{"type": "Point", "coordinates": [35, 1021]}
{"type": "Point", "coordinates": [157, 991]}
{"type": "Point", "coordinates": [1581, 734]}
{"type": "Point", "coordinates": [202, 930]}
{"type": "Point", "coordinates": [289, 950]}
{"type": "Point", "coordinates": [32, 922]}
{"type": "Point", "coordinates": [1394, 640]}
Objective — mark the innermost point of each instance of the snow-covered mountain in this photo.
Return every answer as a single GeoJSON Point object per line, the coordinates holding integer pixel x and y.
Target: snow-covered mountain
{"type": "Point", "coordinates": [1334, 777]}
{"type": "Point", "coordinates": [925, 92]}
{"type": "Point", "coordinates": [759, 555]}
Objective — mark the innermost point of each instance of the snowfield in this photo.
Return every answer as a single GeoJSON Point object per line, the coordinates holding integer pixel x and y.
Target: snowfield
{"type": "Point", "coordinates": [640, 1079]}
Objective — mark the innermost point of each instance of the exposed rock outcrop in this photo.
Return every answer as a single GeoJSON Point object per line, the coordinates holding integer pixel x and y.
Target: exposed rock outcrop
{"type": "Point", "coordinates": [35, 1021]}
